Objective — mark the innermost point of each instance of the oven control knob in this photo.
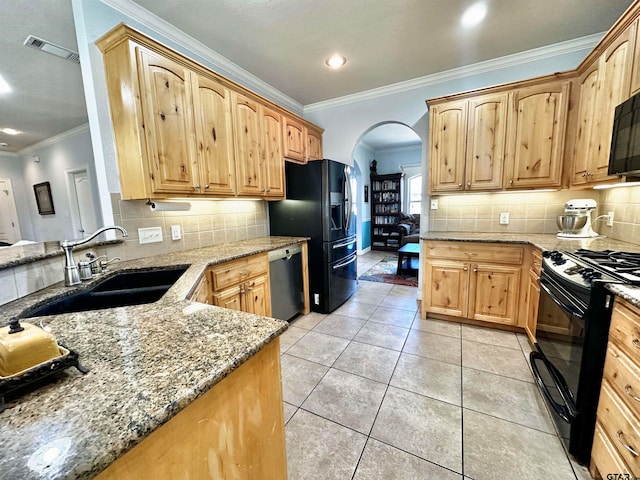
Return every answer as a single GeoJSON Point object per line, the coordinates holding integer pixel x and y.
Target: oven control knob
{"type": "Point", "coordinates": [595, 275]}
{"type": "Point", "coordinates": [586, 272]}
{"type": "Point", "coordinates": [548, 253]}
{"type": "Point", "coordinates": [555, 256]}
{"type": "Point", "coordinates": [559, 261]}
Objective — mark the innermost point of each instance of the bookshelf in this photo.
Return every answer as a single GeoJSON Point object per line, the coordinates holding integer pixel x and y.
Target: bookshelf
{"type": "Point", "coordinates": [386, 203]}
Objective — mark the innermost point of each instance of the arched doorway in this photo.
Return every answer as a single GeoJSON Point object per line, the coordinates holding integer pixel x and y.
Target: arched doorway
{"type": "Point", "coordinates": [397, 148]}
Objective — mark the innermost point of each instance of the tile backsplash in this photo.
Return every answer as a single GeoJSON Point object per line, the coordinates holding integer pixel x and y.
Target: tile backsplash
{"type": "Point", "coordinates": [536, 212]}
{"type": "Point", "coordinates": [208, 222]}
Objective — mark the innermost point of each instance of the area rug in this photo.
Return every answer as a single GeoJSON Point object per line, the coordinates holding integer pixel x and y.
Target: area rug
{"type": "Point", "coordinates": [385, 271]}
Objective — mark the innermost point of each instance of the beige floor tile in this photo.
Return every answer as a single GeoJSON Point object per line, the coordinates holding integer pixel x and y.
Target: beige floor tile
{"type": "Point", "coordinates": [503, 397]}
{"type": "Point", "coordinates": [436, 347]}
{"type": "Point", "coordinates": [430, 378]}
{"type": "Point", "coordinates": [376, 287]}
{"type": "Point", "coordinates": [368, 361]}
{"type": "Point", "coordinates": [441, 327]}
{"type": "Point", "coordinates": [393, 316]}
{"type": "Point", "coordinates": [372, 298]}
{"type": "Point", "coordinates": [384, 462]}
{"type": "Point", "coordinates": [299, 378]}
{"type": "Point", "coordinates": [347, 399]}
{"type": "Point", "coordinates": [428, 428]}
{"type": "Point", "coordinates": [382, 335]}
{"type": "Point", "coordinates": [400, 303]}
{"type": "Point", "coordinates": [308, 321]}
{"type": "Point", "coordinates": [404, 291]}
{"type": "Point", "coordinates": [495, 359]}
{"type": "Point", "coordinates": [320, 449]}
{"type": "Point", "coordinates": [319, 348]}
{"type": "Point", "coordinates": [495, 448]}
{"type": "Point", "coordinates": [291, 336]}
{"type": "Point", "coordinates": [490, 336]}
{"type": "Point", "coordinates": [339, 326]}
{"type": "Point", "coordinates": [354, 309]}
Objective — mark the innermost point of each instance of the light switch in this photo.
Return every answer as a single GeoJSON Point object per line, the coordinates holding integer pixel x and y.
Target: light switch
{"type": "Point", "coordinates": [504, 218]}
{"type": "Point", "coordinates": [176, 233]}
{"type": "Point", "coordinates": [434, 204]}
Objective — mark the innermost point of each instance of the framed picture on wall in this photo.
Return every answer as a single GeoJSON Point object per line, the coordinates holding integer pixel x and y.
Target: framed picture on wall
{"type": "Point", "coordinates": [43, 198]}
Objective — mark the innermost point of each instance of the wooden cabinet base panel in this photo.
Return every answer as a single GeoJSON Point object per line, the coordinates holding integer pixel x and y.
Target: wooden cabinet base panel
{"type": "Point", "coordinates": [234, 431]}
{"type": "Point", "coordinates": [469, 321]}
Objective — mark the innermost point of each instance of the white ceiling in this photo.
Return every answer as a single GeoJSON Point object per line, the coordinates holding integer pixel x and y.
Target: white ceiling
{"type": "Point", "coordinates": [285, 42]}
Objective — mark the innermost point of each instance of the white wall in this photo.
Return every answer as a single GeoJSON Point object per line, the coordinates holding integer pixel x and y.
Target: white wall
{"type": "Point", "coordinates": [66, 151]}
{"type": "Point", "coordinates": [11, 167]}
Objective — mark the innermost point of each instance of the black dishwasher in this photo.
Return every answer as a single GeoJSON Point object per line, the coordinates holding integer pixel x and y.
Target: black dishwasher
{"type": "Point", "coordinates": [285, 276]}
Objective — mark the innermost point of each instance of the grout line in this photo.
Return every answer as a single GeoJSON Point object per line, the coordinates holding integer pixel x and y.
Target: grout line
{"type": "Point", "coordinates": [461, 407]}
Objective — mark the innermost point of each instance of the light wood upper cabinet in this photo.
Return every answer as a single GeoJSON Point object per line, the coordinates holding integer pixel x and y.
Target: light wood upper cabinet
{"type": "Point", "coordinates": [603, 86]}
{"type": "Point", "coordinates": [167, 108]}
{"type": "Point", "coordinates": [295, 138]}
{"type": "Point", "coordinates": [314, 144]}
{"type": "Point", "coordinates": [247, 129]}
{"type": "Point", "coordinates": [535, 136]}
{"type": "Point", "coordinates": [272, 158]}
{"type": "Point", "coordinates": [215, 137]}
{"type": "Point", "coordinates": [486, 136]}
{"type": "Point", "coordinates": [447, 140]}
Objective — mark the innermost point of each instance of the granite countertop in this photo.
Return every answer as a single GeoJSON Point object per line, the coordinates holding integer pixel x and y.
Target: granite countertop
{"type": "Point", "coordinates": [549, 242]}
{"type": "Point", "coordinates": [146, 363]}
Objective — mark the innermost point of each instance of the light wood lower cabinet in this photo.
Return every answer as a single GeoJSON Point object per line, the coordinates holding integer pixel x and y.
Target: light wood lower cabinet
{"type": "Point", "coordinates": [234, 431]}
{"type": "Point", "coordinates": [476, 281]}
{"type": "Point", "coordinates": [616, 445]}
{"type": "Point", "coordinates": [533, 294]}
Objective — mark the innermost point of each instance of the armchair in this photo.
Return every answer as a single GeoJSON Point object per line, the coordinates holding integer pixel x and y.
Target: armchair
{"type": "Point", "coordinates": [409, 228]}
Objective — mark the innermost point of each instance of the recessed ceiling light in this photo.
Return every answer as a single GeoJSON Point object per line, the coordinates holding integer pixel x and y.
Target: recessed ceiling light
{"type": "Point", "coordinates": [335, 61]}
{"type": "Point", "coordinates": [3, 145]}
{"type": "Point", "coordinates": [4, 86]}
{"type": "Point", "coordinates": [474, 14]}
{"type": "Point", "coordinates": [10, 131]}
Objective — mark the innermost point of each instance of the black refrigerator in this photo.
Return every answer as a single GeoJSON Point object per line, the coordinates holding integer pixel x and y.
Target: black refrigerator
{"type": "Point", "coordinates": [319, 205]}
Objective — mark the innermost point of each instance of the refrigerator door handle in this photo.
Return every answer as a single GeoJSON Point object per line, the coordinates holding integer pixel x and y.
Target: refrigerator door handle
{"type": "Point", "coordinates": [336, 267]}
{"type": "Point", "coordinates": [347, 191]}
{"type": "Point", "coordinates": [346, 244]}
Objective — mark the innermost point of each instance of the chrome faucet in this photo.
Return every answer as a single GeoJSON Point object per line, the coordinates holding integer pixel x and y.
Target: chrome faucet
{"type": "Point", "coordinates": [71, 273]}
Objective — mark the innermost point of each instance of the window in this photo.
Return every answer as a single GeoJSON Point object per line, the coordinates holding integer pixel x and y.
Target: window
{"type": "Point", "coordinates": [414, 194]}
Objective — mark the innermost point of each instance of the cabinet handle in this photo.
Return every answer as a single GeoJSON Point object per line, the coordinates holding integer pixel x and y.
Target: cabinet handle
{"type": "Point", "coordinates": [268, 190]}
{"type": "Point", "coordinates": [628, 447]}
{"type": "Point", "coordinates": [584, 174]}
{"type": "Point", "coordinates": [263, 190]}
{"type": "Point", "coordinates": [636, 343]}
{"type": "Point", "coordinates": [631, 393]}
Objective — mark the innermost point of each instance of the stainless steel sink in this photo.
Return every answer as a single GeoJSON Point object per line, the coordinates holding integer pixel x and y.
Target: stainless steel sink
{"type": "Point", "coordinates": [119, 290]}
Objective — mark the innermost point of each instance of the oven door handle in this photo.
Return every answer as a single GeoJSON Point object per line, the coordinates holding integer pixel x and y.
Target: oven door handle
{"type": "Point", "coordinates": [565, 410]}
{"type": "Point", "coordinates": [563, 304]}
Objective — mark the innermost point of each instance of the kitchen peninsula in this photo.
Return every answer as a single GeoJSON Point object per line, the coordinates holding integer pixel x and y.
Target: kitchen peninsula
{"type": "Point", "coordinates": [151, 367]}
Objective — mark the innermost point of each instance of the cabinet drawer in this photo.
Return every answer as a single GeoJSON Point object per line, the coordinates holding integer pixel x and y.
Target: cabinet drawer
{"type": "Point", "coordinates": [236, 271]}
{"type": "Point", "coordinates": [624, 376]}
{"type": "Point", "coordinates": [625, 329]}
{"type": "Point", "coordinates": [476, 252]}
{"type": "Point", "coordinates": [621, 427]}
{"type": "Point", "coordinates": [536, 261]}
{"type": "Point", "coordinates": [605, 456]}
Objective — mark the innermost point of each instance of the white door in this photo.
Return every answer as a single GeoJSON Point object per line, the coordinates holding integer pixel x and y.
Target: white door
{"type": "Point", "coordinates": [83, 212]}
{"type": "Point", "coordinates": [9, 225]}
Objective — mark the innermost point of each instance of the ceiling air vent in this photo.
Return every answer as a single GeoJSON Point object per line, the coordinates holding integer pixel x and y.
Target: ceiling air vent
{"type": "Point", "coordinates": [52, 48]}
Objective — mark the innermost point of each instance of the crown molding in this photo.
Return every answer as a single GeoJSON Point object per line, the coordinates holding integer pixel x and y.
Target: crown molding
{"type": "Point", "coordinates": [55, 139]}
{"type": "Point", "coordinates": [402, 148]}
{"type": "Point", "coordinates": [164, 28]}
{"type": "Point", "coordinates": [512, 60]}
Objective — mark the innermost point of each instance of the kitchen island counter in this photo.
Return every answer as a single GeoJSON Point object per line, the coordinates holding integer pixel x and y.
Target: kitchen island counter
{"type": "Point", "coordinates": [146, 362]}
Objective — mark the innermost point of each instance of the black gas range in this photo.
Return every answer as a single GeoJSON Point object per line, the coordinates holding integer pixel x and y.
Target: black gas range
{"type": "Point", "coordinates": [574, 314]}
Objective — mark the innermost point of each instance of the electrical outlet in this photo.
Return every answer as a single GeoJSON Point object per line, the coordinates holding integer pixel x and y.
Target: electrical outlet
{"type": "Point", "coordinates": [504, 218]}
{"type": "Point", "coordinates": [316, 298]}
{"type": "Point", "coordinates": [176, 233]}
{"type": "Point", "coordinates": [434, 204]}
{"type": "Point", "coordinates": [150, 235]}
{"type": "Point", "coordinates": [610, 219]}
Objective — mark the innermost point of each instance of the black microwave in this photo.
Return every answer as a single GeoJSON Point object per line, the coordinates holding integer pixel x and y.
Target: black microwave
{"type": "Point", "coordinates": [624, 158]}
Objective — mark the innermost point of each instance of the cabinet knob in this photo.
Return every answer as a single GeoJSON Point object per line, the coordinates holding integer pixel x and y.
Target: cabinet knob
{"type": "Point", "coordinates": [511, 181]}
{"type": "Point", "coordinates": [268, 190]}
{"type": "Point", "coordinates": [475, 269]}
{"type": "Point", "coordinates": [460, 185]}
{"type": "Point", "coordinates": [465, 269]}
{"type": "Point", "coordinates": [469, 184]}
{"type": "Point", "coordinates": [206, 186]}
{"type": "Point", "coordinates": [197, 186]}
{"type": "Point", "coordinates": [263, 190]}
{"type": "Point", "coordinates": [636, 343]}
{"type": "Point", "coordinates": [584, 174]}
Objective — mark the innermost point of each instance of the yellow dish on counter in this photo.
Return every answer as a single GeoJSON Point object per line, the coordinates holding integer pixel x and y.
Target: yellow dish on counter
{"type": "Point", "coordinates": [25, 348]}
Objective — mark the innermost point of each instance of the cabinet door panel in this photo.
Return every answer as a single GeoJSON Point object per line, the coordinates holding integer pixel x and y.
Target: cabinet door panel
{"type": "Point", "coordinates": [586, 143]}
{"type": "Point", "coordinates": [446, 287]}
{"type": "Point", "coordinates": [494, 293]}
{"type": "Point", "coordinates": [246, 121]}
{"type": "Point", "coordinates": [258, 296]}
{"type": "Point", "coordinates": [486, 142]}
{"type": "Point", "coordinates": [272, 157]}
{"type": "Point", "coordinates": [215, 137]}
{"type": "Point", "coordinates": [230, 298]}
{"type": "Point", "coordinates": [533, 299]}
{"type": "Point", "coordinates": [448, 137]}
{"type": "Point", "coordinates": [168, 116]}
{"type": "Point", "coordinates": [536, 135]}
{"type": "Point", "coordinates": [294, 140]}
{"type": "Point", "coordinates": [314, 145]}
